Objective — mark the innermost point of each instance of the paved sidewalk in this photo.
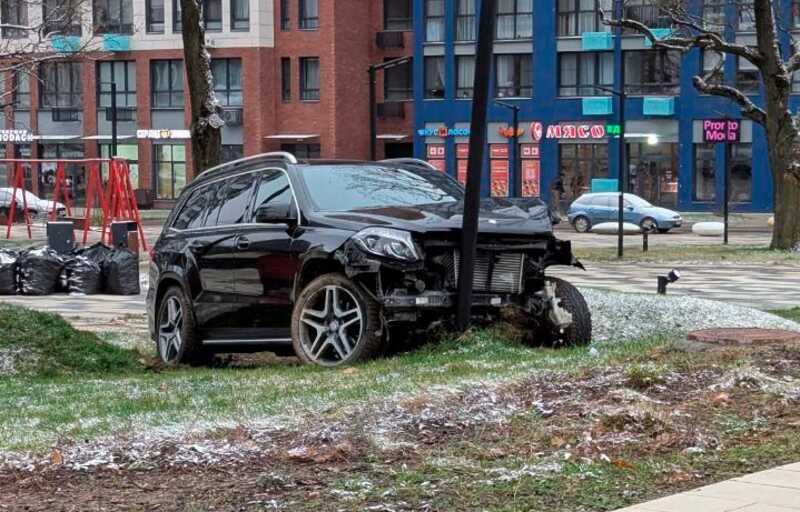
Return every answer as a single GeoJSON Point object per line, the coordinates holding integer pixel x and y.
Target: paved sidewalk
{"type": "Point", "coordinates": [776, 490]}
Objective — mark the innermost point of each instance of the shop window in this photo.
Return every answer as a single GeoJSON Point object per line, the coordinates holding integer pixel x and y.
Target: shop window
{"type": "Point", "coordinates": [309, 14]}
{"type": "Point", "coordinates": [228, 81]}
{"type": "Point", "coordinates": [397, 83]}
{"type": "Point", "coordinates": [465, 21]}
{"type": "Point", "coordinates": [21, 92]}
{"type": "Point", "coordinates": [13, 12]}
{"type": "Point", "coordinates": [113, 16]}
{"type": "Point", "coordinates": [579, 165]}
{"type": "Point", "coordinates": [647, 12]}
{"type": "Point", "coordinates": [466, 76]}
{"type": "Point", "coordinates": [121, 73]}
{"type": "Point", "coordinates": [746, 16]}
{"type": "Point", "coordinates": [704, 173]}
{"type": "Point", "coordinates": [653, 172]}
{"type": "Point", "coordinates": [240, 15]}
{"type": "Point", "coordinates": [514, 19]}
{"type": "Point", "coordinates": [579, 73]}
{"type": "Point", "coordinates": [513, 76]}
{"type": "Point", "coordinates": [578, 16]}
{"type": "Point", "coordinates": [61, 85]}
{"type": "Point", "coordinates": [167, 83]}
{"type": "Point", "coordinates": [652, 72]}
{"type": "Point", "coordinates": [74, 174]}
{"type": "Point", "coordinates": [397, 14]}
{"type": "Point", "coordinates": [128, 151]}
{"type": "Point", "coordinates": [302, 151]}
{"type": "Point", "coordinates": [286, 79]}
{"type": "Point", "coordinates": [434, 21]}
{"type": "Point", "coordinates": [748, 78]}
{"type": "Point", "coordinates": [796, 13]}
{"type": "Point", "coordinates": [231, 152]}
{"type": "Point", "coordinates": [741, 169]}
{"type": "Point", "coordinates": [714, 14]}
{"type": "Point", "coordinates": [61, 16]}
{"type": "Point", "coordinates": [170, 169]}
{"type": "Point", "coordinates": [154, 14]}
{"type": "Point", "coordinates": [286, 20]}
{"type": "Point", "coordinates": [309, 79]}
{"type": "Point", "coordinates": [434, 77]}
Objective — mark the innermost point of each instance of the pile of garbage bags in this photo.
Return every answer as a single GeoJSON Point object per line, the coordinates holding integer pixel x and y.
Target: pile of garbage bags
{"type": "Point", "coordinates": [89, 270]}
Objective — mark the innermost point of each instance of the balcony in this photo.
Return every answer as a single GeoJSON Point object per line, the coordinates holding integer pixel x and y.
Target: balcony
{"type": "Point", "coordinates": [392, 110]}
{"type": "Point", "coordinates": [390, 39]}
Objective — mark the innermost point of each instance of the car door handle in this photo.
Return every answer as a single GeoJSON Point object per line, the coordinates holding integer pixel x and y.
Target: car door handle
{"type": "Point", "coordinates": [198, 246]}
{"type": "Point", "coordinates": [242, 243]}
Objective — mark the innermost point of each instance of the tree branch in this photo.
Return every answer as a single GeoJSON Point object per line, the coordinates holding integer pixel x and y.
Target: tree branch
{"type": "Point", "coordinates": [749, 109]}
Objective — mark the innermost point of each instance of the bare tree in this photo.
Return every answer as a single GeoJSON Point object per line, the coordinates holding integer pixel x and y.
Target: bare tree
{"type": "Point", "coordinates": [782, 128]}
{"type": "Point", "coordinates": [207, 121]}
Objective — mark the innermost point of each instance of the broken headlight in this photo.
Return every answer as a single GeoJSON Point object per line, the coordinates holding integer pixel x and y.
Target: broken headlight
{"type": "Point", "coordinates": [389, 243]}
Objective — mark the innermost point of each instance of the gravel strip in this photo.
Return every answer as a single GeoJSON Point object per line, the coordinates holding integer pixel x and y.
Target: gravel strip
{"type": "Point", "coordinates": [627, 316]}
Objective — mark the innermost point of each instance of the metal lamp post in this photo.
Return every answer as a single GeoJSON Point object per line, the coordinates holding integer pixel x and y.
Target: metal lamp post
{"type": "Point", "coordinates": [373, 105]}
{"type": "Point", "coordinates": [513, 157]}
{"type": "Point", "coordinates": [113, 119]}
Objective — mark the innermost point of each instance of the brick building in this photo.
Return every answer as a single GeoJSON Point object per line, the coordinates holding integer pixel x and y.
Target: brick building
{"type": "Point", "coordinates": [290, 74]}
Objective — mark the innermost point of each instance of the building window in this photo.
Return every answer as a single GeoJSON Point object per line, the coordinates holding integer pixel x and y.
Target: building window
{"type": "Point", "coordinates": [434, 77]}
{"type": "Point", "coordinates": [648, 13]}
{"type": "Point", "coordinates": [748, 79]}
{"type": "Point", "coordinates": [796, 13]}
{"type": "Point", "coordinates": [155, 16]}
{"type": "Point", "coordinates": [231, 152]}
{"type": "Point", "coordinates": [578, 16]}
{"type": "Point", "coordinates": [579, 165]}
{"type": "Point", "coordinates": [745, 16]}
{"type": "Point", "coordinates": [309, 78]}
{"type": "Point", "coordinates": [466, 76]}
{"type": "Point", "coordinates": [228, 81]}
{"type": "Point", "coordinates": [713, 69]}
{"type": "Point", "coordinates": [167, 80]}
{"type": "Point", "coordinates": [309, 14]}
{"type": "Point", "coordinates": [741, 173]}
{"type": "Point", "coordinates": [121, 73]}
{"type": "Point", "coordinates": [513, 76]}
{"type": "Point", "coordinates": [240, 15]}
{"type": "Point", "coordinates": [397, 84]}
{"type": "Point", "coordinates": [579, 73]}
{"type": "Point", "coordinates": [285, 16]}
{"type": "Point", "coordinates": [397, 14]}
{"type": "Point", "coordinates": [21, 92]}
{"type": "Point", "coordinates": [796, 83]}
{"type": "Point", "coordinates": [177, 16]}
{"type": "Point", "coordinates": [704, 173]}
{"type": "Point", "coordinates": [714, 14]}
{"type": "Point", "coordinates": [302, 151]}
{"type": "Point", "coordinates": [652, 72]}
{"type": "Point", "coordinates": [113, 16]}
{"type": "Point", "coordinates": [170, 168]}
{"type": "Point", "coordinates": [61, 85]}
{"type": "Point", "coordinates": [514, 19]}
{"type": "Point", "coordinates": [62, 16]}
{"type": "Point", "coordinates": [465, 21]}
{"type": "Point", "coordinates": [13, 12]}
{"type": "Point", "coordinates": [130, 152]}
{"type": "Point", "coordinates": [654, 171]}
{"type": "Point", "coordinates": [75, 174]}
{"type": "Point", "coordinates": [212, 15]}
{"type": "Point", "coordinates": [434, 21]}
{"type": "Point", "coordinates": [286, 79]}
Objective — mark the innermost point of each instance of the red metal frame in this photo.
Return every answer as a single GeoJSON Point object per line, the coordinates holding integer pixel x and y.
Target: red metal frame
{"type": "Point", "coordinates": [18, 180]}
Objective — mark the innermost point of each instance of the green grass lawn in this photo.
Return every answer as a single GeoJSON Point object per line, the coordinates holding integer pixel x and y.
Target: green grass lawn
{"type": "Point", "coordinates": [753, 254]}
{"type": "Point", "coordinates": [791, 314]}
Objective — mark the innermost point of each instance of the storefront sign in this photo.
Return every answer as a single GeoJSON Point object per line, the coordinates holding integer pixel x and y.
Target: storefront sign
{"type": "Point", "coordinates": [529, 150]}
{"type": "Point", "coordinates": [573, 131]}
{"type": "Point", "coordinates": [16, 136]}
{"type": "Point", "coordinates": [443, 132]}
{"type": "Point", "coordinates": [462, 151]}
{"type": "Point", "coordinates": [531, 178]}
{"type": "Point", "coordinates": [462, 171]}
{"type": "Point", "coordinates": [440, 165]}
{"type": "Point", "coordinates": [435, 151]}
{"type": "Point", "coordinates": [498, 151]}
{"type": "Point", "coordinates": [499, 178]}
{"type": "Point", "coordinates": [721, 130]}
{"type": "Point", "coordinates": [163, 134]}
{"type": "Point", "coordinates": [508, 131]}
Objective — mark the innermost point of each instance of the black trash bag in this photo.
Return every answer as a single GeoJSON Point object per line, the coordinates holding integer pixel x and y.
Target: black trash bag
{"type": "Point", "coordinates": [39, 271]}
{"type": "Point", "coordinates": [8, 272]}
{"type": "Point", "coordinates": [121, 272]}
{"type": "Point", "coordinates": [97, 252]}
{"type": "Point", "coordinates": [84, 276]}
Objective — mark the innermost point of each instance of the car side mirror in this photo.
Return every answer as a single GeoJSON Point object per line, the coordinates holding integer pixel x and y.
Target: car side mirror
{"type": "Point", "coordinates": [276, 214]}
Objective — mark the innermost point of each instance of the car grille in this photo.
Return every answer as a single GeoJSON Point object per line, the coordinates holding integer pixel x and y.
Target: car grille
{"type": "Point", "coordinates": [497, 273]}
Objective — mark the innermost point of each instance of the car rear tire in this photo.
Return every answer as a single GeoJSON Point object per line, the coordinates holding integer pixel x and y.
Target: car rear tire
{"type": "Point", "coordinates": [334, 323]}
{"type": "Point", "coordinates": [580, 331]}
{"type": "Point", "coordinates": [582, 224]}
{"type": "Point", "coordinates": [648, 224]}
{"type": "Point", "coordinates": [176, 335]}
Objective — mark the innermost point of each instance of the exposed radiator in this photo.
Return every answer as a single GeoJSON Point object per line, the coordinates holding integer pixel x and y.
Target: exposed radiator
{"type": "Point", "coordinates": [497, 273]}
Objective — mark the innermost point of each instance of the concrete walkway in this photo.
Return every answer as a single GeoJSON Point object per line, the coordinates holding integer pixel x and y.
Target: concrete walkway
{"type": "Point", "coordinates": [776, 490]}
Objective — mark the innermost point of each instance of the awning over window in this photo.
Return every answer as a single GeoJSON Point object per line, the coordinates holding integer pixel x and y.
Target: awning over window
{"type": "Point", "coordinates": [291, 136]}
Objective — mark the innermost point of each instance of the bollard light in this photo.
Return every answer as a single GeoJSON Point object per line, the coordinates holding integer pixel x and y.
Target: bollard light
{"type": "Point", "coordinates": [663, 281]}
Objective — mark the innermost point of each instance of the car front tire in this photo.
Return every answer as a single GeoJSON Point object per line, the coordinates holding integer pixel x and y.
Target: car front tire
{"type": "Point", "coordinates": [176, 333]}
{"type": "Point", "coordinates": [580, 331]}
{"type": "Point", "coordinates": [334, 323]}
{"type": "Point", "coordinates": [648, 224]}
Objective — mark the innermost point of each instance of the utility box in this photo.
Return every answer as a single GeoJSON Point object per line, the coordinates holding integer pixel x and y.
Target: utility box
{"type": "Point", "coordinates": [61, 237]}
{"type": "Point", "coordinates": [120, 234]}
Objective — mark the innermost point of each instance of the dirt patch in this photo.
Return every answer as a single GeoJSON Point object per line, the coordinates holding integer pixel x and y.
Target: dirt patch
{"type": "Point", "coordinates": [731, 337]}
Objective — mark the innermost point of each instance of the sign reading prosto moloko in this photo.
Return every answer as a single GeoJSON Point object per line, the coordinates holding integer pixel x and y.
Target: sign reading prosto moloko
{"type": "Point", "coordinates": [16, 136]}
{"type": "Point", "coordinates": [721, 130]}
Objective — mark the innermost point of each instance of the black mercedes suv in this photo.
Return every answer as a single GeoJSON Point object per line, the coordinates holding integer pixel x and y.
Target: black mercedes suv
{"type": "Point", "coordinates": [332, 260]}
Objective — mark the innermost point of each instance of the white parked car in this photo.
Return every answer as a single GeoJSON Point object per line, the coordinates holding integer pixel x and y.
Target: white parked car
{"type": "Point", "coordinates": [36, 205]}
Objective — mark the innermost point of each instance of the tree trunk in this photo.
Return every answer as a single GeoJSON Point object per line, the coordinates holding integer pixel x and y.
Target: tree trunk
{"type": "Point", "coordinates": [786, 232]}
{"type": "Point", "coordinates": [206, 113]}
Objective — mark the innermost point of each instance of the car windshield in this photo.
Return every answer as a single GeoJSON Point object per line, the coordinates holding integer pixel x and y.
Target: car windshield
{"type": "Point", "coordinates": [358, 187]}
{"type": "Point", "coordinates": [637, 201]}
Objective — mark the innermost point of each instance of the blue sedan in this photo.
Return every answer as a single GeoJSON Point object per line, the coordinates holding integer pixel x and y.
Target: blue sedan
{"type": "Point", "coordinates": [591, 209]}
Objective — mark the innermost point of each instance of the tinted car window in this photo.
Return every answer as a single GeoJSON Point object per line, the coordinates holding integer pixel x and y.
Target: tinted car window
{"type": "Point", "coordinates": [216, 198]}
{"type": "Point", "coordinates": [235, 199]}
{"type": "Point", "coordinates": [274, 191]}
{"type": "Point", "coordinates": [193, 213]}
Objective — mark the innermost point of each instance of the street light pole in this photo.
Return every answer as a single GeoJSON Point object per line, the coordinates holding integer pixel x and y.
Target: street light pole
{"type": "Point", "coordinates": [113, 119]}
{"type": "Point", "coordinates": [513, 156]}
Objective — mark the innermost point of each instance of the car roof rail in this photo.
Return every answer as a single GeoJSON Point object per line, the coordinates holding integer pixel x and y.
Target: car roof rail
{"type": "Point", "coordinates": [412, 161]}
{"type": "Point", "coordinates": [283, 154]}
